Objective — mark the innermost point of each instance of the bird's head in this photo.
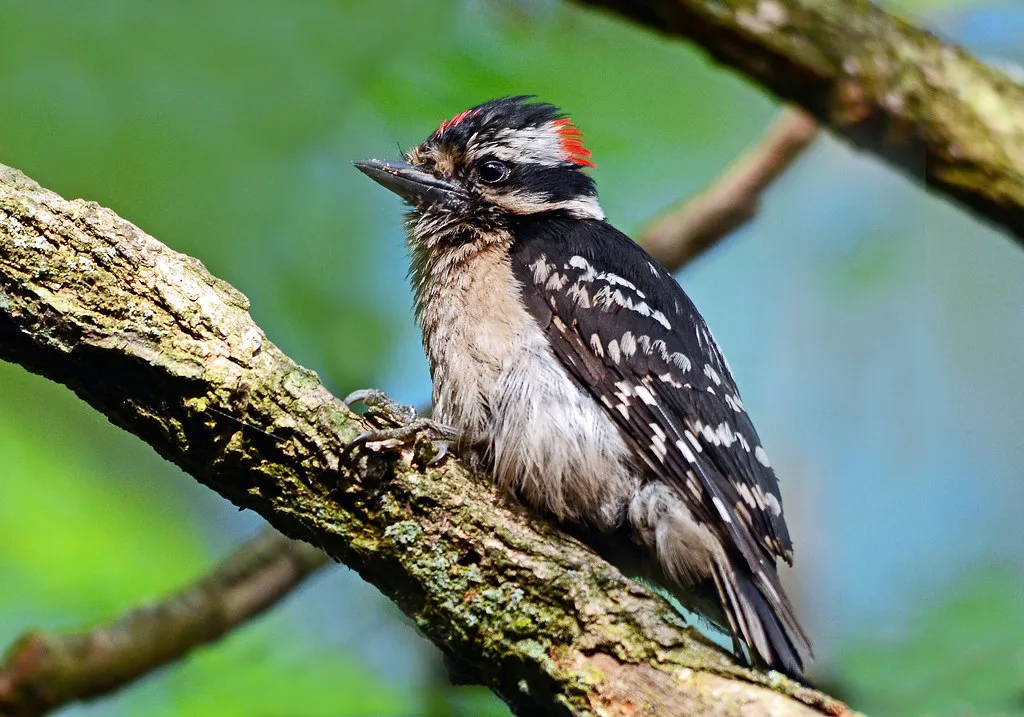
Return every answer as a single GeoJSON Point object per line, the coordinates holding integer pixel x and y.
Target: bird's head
{"type": "Point", "coordinates": [486, 168]}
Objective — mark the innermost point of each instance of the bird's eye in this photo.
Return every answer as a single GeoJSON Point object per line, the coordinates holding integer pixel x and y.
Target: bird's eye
{"type": "Point", "coordinates": [492, 172]}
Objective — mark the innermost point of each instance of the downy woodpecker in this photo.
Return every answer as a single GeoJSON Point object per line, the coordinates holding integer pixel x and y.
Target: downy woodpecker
{"type": "Point", "coordinates": [578, 372]}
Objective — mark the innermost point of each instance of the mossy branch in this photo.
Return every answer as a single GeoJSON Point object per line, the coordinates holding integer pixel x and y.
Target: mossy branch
{"type": "Point", "coordinates": [168, 352]}
{"type": "Point", "coordinates": [926, 106]}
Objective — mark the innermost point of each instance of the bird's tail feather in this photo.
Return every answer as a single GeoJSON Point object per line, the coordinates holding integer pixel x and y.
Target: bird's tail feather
{"type": "Point", "coordinates": [764, 618]}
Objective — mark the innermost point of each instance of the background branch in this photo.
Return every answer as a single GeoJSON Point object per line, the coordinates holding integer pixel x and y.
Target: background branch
{"type": "Point", "coordinates": [925, 106]}
{"type": "Point", "coordinates": [41, 672]}
{"type": "Point", "coordinates": [165, 350]}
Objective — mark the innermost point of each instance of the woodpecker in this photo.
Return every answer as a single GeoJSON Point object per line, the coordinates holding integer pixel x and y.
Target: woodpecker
{"type": "Point", "coordinates": [574, 369]}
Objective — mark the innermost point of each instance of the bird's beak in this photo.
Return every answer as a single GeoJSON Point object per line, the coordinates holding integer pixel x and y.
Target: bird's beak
{"type": "Point", "coordinates": [409, 182]}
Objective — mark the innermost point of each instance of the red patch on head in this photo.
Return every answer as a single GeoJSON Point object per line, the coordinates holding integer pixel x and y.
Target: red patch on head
{"type": "Point", "coordinates": [448, 124]}
{"type": "Point", "coordinates": [571, 139]}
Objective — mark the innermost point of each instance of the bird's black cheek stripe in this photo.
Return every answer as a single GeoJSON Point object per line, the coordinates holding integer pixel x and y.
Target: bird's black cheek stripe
{"type": "Point", "coordinates": [556, 184]}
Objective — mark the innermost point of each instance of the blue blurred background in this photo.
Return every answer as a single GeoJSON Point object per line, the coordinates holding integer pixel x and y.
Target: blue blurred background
{"type": "Point", "coordinates": [877, 332]}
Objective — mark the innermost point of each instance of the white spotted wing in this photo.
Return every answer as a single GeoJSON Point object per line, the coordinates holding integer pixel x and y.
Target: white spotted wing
{"type": "Point", "coordinates": [629, 335]}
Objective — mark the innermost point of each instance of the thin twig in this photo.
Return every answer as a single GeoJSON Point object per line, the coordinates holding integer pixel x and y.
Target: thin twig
{"type": "Point", "coordinates": [681, 234]}
{"type": "Point", "coordinates": [42, 672]}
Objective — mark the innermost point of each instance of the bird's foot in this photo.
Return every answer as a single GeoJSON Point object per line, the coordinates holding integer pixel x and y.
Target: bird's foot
{"type": "Point", "coordinates": [396, 426]}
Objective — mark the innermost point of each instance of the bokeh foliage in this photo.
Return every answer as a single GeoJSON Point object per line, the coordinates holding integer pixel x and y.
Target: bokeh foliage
{"type": "Point", "coordinates": [930, 669]}
{"type": "Point", "coordinates": [226, 129]}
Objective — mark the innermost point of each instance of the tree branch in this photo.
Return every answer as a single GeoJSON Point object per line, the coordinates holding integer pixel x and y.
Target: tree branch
{"type": "Point", "coordinates": [681, 235]}
{"type": "Point", "coordinates": [925, 106]}
{"type": "Point", "coordinates": [42, 672]}
{"type": "Point", "coordinates": [169, 352]}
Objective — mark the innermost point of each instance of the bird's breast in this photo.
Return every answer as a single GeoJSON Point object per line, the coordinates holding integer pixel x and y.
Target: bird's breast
{"type": "Point", "coordinates": [497, 381]}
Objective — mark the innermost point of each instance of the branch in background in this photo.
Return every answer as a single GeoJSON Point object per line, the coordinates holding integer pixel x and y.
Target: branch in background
{"type": "Point", "coordinates": [681, 235]}
{"type": "Point", "coordinates": [42, 672]}
{"type": "Point", "coordinates": [927, 107]}
{"type": "Point", "coordinates": [165, 350]}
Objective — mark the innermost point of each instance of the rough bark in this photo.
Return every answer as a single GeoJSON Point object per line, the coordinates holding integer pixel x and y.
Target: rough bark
{"type": "Point", "coordinates": [926, 106]}
{"type": "Point", "coordinates": [170, 353]}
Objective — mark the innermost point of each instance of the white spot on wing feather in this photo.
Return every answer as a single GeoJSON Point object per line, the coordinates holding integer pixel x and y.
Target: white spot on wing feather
{"type": "Point", "coordinates": [658, 448]}
{"type": "Point", "coordinates": [628, 344]}
{"type": "Point", "coordinates": [725, 434]}
{"type": "Point", "coordinates": [541, 269]}
{"type": "Point", "coordinates": [687, 453]}
{"type": "Point", "coordinates": [762, 457]}
{"type": "Point", "coordinates": [645, 395]}
{"type": "Point", "coordinates": [680, 360]}
{"type": "Point", "coordinates": [556, 282]}
{"type": "Point", "coordinates": [710, 434]}
{"type": "Point", "coordinates": [616, 280]}
{"type": "Point", "coordinates": [612, 295]}
{"type": "Point", "coordinates": [693, 485]}
{"type": "Point", "coordinates": [745, 515]}
{"type": "Point", "coordinates": [579, 294]}
{"type": "Point", "coordinates": [670, 380]}
{"type": "Point", "coordinates": [722, 510]}
{"type": "Point", "coordinates": [661, 319]}
{"type": "Point", "coordinates": [613, 351]}
{"type": "Point", "coordinates": [711, 373]}
{"type": "Point", "coordinates": [743, 441]}
{"type": "Point", "coordinates": [623, 394]}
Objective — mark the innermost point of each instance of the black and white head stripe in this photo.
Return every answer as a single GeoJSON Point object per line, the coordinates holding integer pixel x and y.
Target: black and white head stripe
{"type": "Point", "coordinates": [631, 337]}
{"type": "Point", "coordinates": [518, 129]}
{"type": "Point", "coordinates": [542, 149]}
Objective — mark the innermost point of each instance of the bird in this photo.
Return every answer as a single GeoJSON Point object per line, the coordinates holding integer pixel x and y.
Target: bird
{"type": "Point", "coordinates": [571, 366]}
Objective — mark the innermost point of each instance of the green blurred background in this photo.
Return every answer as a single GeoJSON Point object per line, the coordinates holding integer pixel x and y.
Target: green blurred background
{"type": "Point", "coordinates": [877, 333]}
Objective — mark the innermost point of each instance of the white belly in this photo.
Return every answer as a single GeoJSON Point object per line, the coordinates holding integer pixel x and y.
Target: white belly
{"type": "Point", "coordinates": [542, 437]}
{"type": "Point", "coordinates": [497, 381]}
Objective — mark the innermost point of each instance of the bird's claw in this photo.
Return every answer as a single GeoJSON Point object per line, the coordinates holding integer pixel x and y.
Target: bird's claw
{"type": "Point", "coordinates": [379, 403]}
{"type": "Point", "coordinates": [442, 453]}
{"type": "Point", "coordinates": [402, 426]}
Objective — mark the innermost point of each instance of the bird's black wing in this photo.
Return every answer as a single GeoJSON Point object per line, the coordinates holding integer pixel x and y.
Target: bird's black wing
{"type": "Point", "coordinates": [630, 336]}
